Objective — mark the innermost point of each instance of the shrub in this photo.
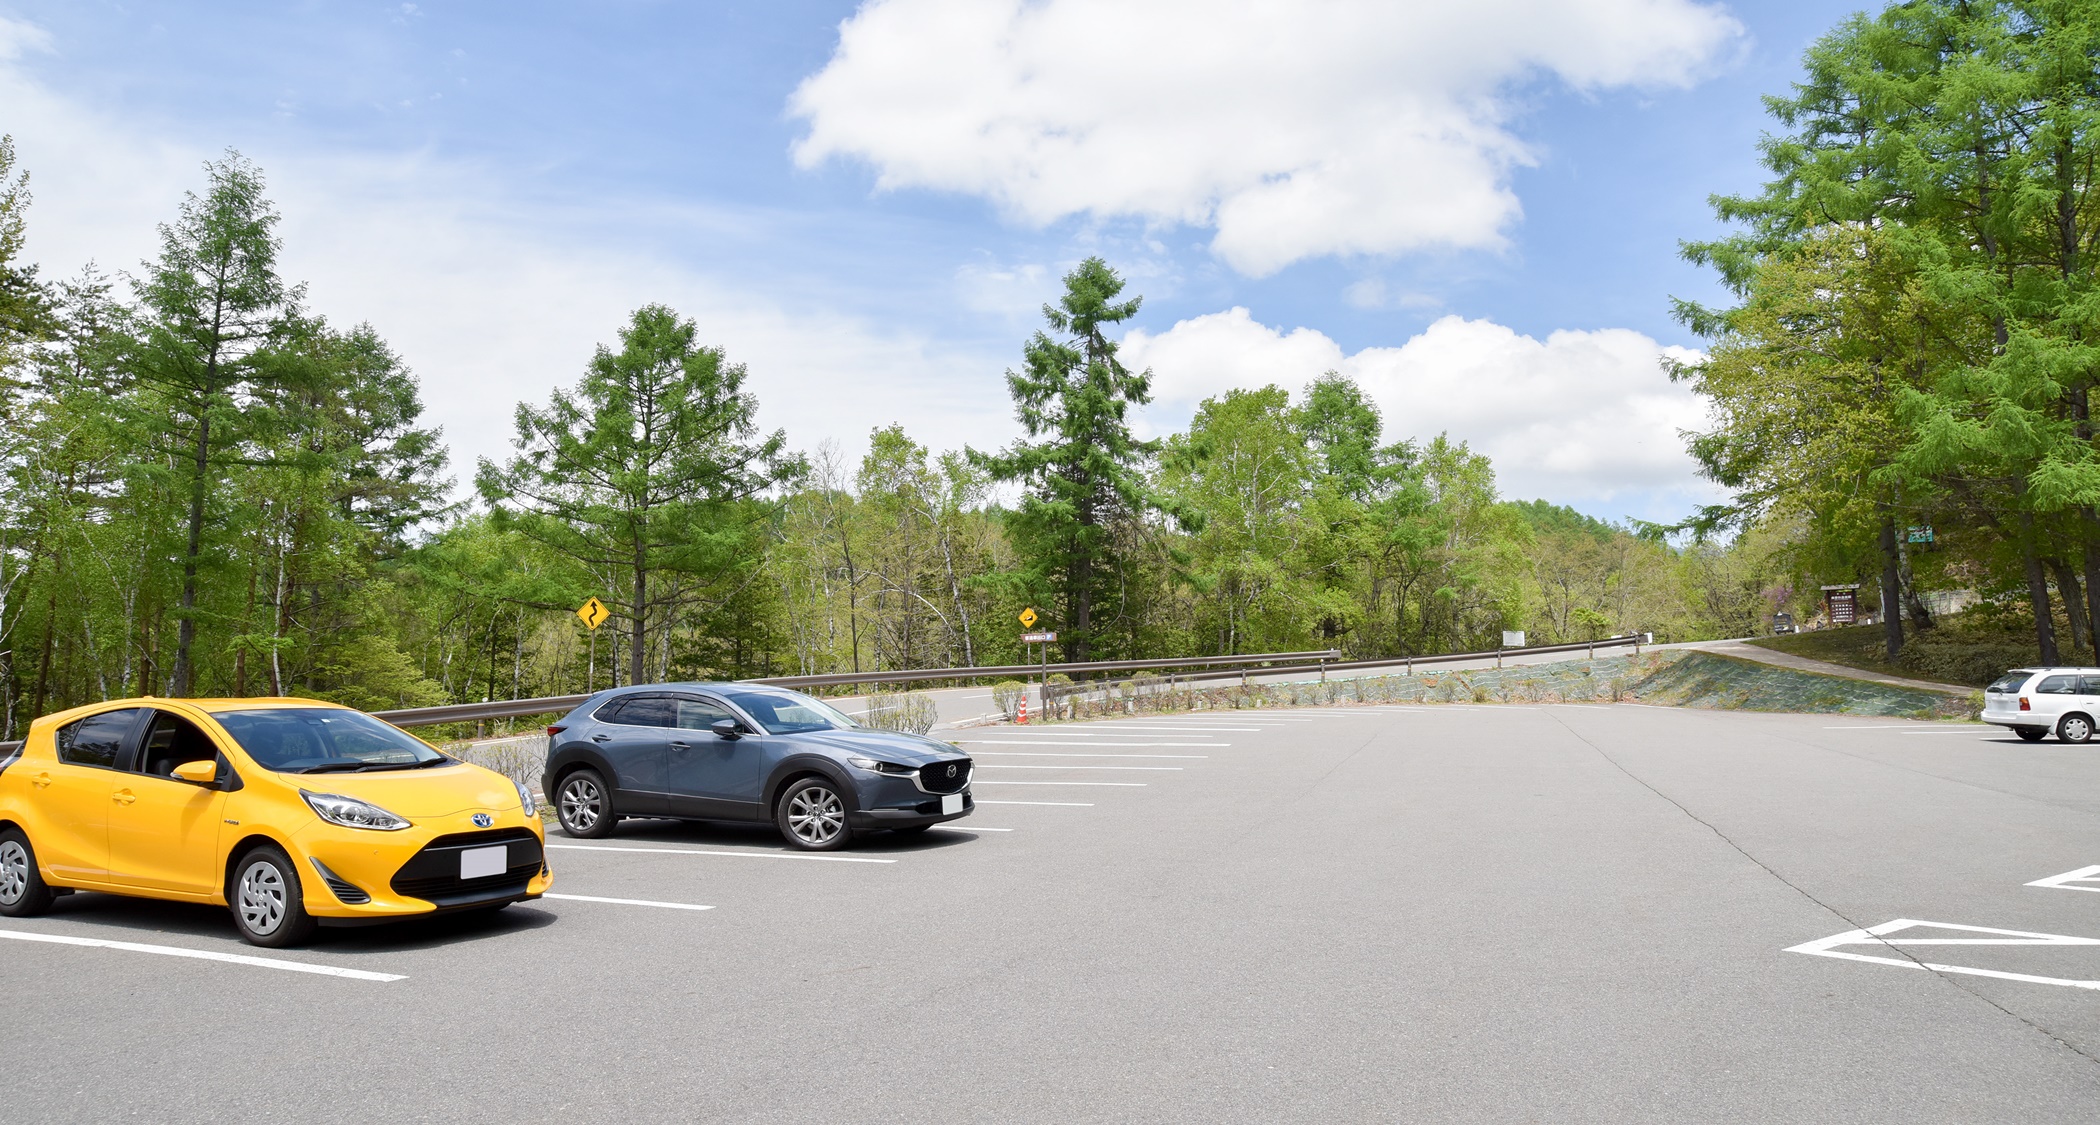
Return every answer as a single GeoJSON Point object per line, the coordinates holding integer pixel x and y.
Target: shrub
{"type": "Point", "coordinates": [1007, 696]}
{"type": "Point", "coordinates": [912, 711]}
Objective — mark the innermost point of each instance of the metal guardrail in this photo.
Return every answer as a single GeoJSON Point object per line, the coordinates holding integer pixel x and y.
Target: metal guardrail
{"type": "Point", "coordinates": [1408, 662]}
{"type": "Point", "coordinates": [519, 708]}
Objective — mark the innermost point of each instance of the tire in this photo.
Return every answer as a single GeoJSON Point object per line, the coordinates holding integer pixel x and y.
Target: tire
{"type": "Point", "coordinates": [2030, 734]}
{"type": "Point", "coordinates": [811, 815]}
{"type": "Point", "coordinates": [269, 906]}
{"type": "Point", "coordinates": [583, 805]}
{"type": "Point", "coordinates": [2074, 727]}
{"type": "Point", "coordinates": [23, 892]}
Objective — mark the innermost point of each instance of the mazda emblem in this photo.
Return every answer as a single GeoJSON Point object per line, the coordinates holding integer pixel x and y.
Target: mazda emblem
{"type": "Point", "coordinates": [951, 771]}
{"type": "Point", "coordinates": [483, 820]}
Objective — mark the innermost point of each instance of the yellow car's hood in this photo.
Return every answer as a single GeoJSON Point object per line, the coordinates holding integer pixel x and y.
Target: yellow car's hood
{"type": "Point", "coordinates": [435, 791]}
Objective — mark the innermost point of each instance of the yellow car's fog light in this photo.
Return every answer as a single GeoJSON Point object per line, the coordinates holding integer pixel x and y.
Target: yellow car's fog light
{"type": "Point", "coordinates": [351, 812]}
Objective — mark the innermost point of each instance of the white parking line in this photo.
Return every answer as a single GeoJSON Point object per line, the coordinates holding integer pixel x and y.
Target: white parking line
{"type": "Point", "coordinates": [737, 855]}
{"type": "Point", "coordinates": [972, 827]}
{"type": "Point", "coordinates": [1117, 784]}
{"type": "Point", "coordinates": [630, 902]}
{"type": "Point", "coordinates": [1917, 728]}
{"type": "Point", "coordinates": [1018, 766]}
{"type": "Point", "coordinates": [1056, 804]}
{"type": "Point", "coordinates": [1026, 754]}
{"type": "Point", "coordinates": [1118, 728]}
{"type": "Point", "coordinates": [2064, 881]}
{"type": "Point", "coordinates": [1069, 742]}
{"type": "Point", "coordinates": [1875, 936]}
{"type": "Point", "coordinates": [203, 955]}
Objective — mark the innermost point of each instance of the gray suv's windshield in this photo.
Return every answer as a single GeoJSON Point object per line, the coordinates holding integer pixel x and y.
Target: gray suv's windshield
{"type": "Point", "coordinates": [789, 712]}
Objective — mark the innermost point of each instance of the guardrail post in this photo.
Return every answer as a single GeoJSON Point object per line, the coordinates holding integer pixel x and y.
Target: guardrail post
{"type": "Point", "coordinates": [1323, 669]}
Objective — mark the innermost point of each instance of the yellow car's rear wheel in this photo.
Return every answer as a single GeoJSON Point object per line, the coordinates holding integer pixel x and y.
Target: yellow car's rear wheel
{"type": "Point", "coordinates": [22, 889]}
{"type": "Point", "coordinates": [269, 907]}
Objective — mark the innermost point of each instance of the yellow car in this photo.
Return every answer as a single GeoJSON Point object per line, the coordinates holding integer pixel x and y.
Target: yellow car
{"type": "Point", "coordinates": [292, 812]}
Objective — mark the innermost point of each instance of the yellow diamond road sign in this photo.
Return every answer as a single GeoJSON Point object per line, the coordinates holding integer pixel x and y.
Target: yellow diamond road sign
{"type": "Point", "coordinates": [1027, 618]}
{"type": "Point", "coordinates": [594, 613]}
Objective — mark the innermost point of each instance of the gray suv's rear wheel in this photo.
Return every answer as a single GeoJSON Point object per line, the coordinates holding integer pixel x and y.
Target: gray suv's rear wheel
{"type": "Point", "coordinates": [584, 805]}
{"type": "Point", "coordinates": [2074, 727]}
{"type": "Point", "coordinates": [812, 815]}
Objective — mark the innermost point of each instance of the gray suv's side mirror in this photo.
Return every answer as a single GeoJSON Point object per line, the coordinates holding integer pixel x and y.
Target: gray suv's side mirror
{"type": "Point", "coordinates": [726, 728]}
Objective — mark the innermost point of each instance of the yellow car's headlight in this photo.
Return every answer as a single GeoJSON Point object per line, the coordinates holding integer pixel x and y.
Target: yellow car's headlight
{"type": "Point", "coordinates": [525, 798]}
{"type": "Point", "coordinates": [351, 812]}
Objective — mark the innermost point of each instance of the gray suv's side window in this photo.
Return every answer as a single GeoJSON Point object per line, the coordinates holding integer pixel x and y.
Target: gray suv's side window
{"type": "Point", "coordinates": [701, 714]}
{"type": "Point", "coordinates": [2058, 685]}
{"type": "Point", "coordinates": [639, 711]}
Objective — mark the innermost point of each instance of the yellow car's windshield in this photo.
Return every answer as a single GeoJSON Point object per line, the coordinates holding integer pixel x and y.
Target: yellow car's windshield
{"type": "Point", "coordinates": [324, 740]}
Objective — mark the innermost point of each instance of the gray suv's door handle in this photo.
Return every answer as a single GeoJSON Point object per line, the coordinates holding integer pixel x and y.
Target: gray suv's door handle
{"type": "Point", "coordinates": [601, 738]}
{"type": "Point", "coordinates": [678, 745]}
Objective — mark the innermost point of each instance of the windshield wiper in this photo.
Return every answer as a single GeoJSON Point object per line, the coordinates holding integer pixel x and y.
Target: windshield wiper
{"type": "Point", "coordinates": [380, 767]}
{"type": "Point", "coordinates": [340, 765]}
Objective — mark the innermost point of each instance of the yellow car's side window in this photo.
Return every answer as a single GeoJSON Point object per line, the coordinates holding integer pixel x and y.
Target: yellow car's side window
{"type": "Point", "coordinates": [98, 739]}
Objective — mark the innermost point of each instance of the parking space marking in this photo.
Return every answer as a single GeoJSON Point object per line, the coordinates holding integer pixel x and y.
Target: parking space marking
{"type": "Point", "coordinates": [1068, 742]}
{"type": "Point", "coordinates": [629, 902]}
{"type": "Point", "coordinates": [203, 955]}
{"type": "Point", "coordinates": [1121, 728]}
{"type": "Point", "coordinates": [1912, 726]}
{"type": "Point", "coordinates": [972, 827]}
{"type": "Point", "coordinates": [1054, 754]}
{"type": "Point", "coordinates": [1117, 784]}
{"type": "Point", "coordinates": [2065, 881]}
{"type": "Point", "coordinates": [1023, 766]}
{"type": "Point", "coordinates": [736, 855]}
{"type": "Point", "coordinates": [1876, 936]}
{"type": "Point", "coordinates": [1046, 804]}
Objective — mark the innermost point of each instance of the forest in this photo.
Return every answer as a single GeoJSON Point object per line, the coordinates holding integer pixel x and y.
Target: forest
{"type": "Point", "coordinates": [214, 489]}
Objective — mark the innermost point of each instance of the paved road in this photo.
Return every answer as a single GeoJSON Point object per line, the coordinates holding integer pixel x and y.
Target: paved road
{"type": "Point", "coordinates": [1455, 913]}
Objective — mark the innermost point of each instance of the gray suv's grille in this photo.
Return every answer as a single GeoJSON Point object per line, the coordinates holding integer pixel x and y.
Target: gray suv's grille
{"type": "Point", "coordinates": [944, 777]}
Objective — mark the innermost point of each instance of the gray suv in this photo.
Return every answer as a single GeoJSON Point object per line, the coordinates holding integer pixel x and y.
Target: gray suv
{"type": "Point", "coordinates": [749, 753]}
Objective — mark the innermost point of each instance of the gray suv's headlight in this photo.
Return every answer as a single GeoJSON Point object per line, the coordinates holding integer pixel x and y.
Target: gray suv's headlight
{"type": "Point", "coordinates": [351, 812]}
{"type": "Point", "coordinates": [525, 799]}
{"type": "Point", "coordinates": [891, 768]}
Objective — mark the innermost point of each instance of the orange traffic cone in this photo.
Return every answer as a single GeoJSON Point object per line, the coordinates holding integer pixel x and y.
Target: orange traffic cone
{"type": "Point", "coordinates": [1023, 720]}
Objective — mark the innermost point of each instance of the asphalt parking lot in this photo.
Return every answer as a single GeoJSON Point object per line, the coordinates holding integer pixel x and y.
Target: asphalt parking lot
{"type": "Point", "coordinates": [1493, 913]}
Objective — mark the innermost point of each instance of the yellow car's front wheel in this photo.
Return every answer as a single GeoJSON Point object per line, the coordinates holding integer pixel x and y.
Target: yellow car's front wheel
{"type": "Point", "coordinates": [269, 907]}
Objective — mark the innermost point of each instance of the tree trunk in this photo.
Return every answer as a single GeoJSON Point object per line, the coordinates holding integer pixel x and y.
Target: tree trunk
{"type": "Point", "coordinates": [2092, 587]}
{"type": "Point", "coordinates": [637, 645]}
{"type": "Point", "coordinates": [2038, 594]}
{"type": "Point", "coordinates": [186, 627]}
{"type": "Point", "coordinates": [1914, 606]}
{"type": "Point", "coordinates": [1891, 590]}
{"type": "Point", "coordinates": [2074, 603]}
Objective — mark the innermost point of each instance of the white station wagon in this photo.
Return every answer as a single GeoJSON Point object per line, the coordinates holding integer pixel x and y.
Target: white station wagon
{"type": "Point", "coordinates": [2039, 701]}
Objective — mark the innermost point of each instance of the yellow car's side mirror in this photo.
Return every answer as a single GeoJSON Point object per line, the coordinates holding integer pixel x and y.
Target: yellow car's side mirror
{"type": "Point", "coordinates": [198, 773]}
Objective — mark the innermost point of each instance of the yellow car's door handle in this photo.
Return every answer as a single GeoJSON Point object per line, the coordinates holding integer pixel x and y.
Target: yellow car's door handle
{"type": "Point", "coordinates": [123, 797]}
{"type": "Point", "coordinates": [41, 781]}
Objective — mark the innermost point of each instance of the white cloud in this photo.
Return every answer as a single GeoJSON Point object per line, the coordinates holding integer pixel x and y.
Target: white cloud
{"type": "Point", "coordinates": [489, 300]}
{"type": "Point", "coordinates": [1577, 418]}
{"type": "Point", "coordinates": [1297, 128]}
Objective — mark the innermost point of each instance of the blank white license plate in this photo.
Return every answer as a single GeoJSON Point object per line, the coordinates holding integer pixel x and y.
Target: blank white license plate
{"type": "Point", "coordinates": [952, 803]}
{"type": "Point", "coordinates": [480, 863]}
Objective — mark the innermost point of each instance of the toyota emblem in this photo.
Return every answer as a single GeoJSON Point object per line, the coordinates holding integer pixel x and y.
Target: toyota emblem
{"type": "Point", "coordinates": [951, 771]}
{"type": "Point", "coordinates": [483, 820]}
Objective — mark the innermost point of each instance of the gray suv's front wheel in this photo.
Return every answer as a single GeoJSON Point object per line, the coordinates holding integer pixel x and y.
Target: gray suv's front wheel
{"type": "Point", "coordinates": [584, 806]}
{"type": "Point", "coordinates": [812, 815]}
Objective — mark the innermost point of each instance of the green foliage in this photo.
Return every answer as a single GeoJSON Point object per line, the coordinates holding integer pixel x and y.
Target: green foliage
{"type": "Point", "coordinates": [645, 475]}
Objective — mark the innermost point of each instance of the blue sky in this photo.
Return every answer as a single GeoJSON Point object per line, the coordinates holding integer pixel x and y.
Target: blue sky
{"type": "Point", "coordinates": [493, 186]}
